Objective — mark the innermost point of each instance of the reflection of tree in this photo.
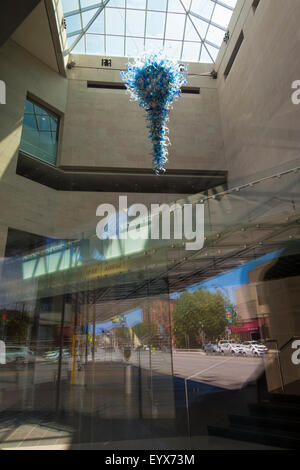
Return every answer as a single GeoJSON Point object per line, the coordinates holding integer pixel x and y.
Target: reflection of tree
{"type": "Point", "coordinates": [15, 325]}
{"type": "Point", "coordinates": [146, 332]}
{"type": "Point", "coordinates": [199, 312]}
{"type": "Point", "coordinates": [122, 333]}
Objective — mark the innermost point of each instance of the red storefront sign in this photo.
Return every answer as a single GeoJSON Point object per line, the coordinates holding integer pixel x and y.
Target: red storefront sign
{"type": "Point", "coordinates": [252, 325]}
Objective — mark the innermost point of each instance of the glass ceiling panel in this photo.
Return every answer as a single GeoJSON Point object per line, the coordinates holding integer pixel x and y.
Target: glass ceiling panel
{"type": "Point", "coordinates": [189, 30]}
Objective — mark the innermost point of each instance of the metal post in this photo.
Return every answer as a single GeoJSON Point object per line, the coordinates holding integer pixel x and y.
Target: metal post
{"type": "Point", "coordinates": [140, 386]}
{"type": "Point", "coordinates": [187, 407]}
{"type": "Point", "coordinates": [60, 354]}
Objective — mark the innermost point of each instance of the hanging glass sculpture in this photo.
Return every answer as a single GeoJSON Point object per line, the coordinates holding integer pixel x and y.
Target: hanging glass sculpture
{"type": "Point", "coordinates": [154, 81]}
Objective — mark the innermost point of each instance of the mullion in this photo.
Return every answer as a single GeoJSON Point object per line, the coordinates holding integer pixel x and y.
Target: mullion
{"type": "Point", "coordinates": [165, 27]}
{"type": "Point", "coordinates": [188, 15]}
{"type": "Point", "coordinates": [35, 117]}
{"type": "Point", "coordinates": [125, 27]}
{"type": "Point", "coordinates": [145, 29]}
{"type": "Point", "coordinates": [183, 41]}
{"type": "Point", "coordinates": [205, 39]}
{"type": "Point", "coordinates": [81, 22]}
{"type": "Point", "coordinates": [156, 39]}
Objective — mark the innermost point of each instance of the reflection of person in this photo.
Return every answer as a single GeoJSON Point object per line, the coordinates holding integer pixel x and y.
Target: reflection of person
{"type": "Point", "coordinates": [2, 352]}
{"type": "Point", "coordinates": [77, 358]}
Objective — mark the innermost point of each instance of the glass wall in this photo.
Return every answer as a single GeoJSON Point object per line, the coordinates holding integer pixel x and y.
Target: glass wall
{"type": "Point", "coordinates": [110, 340]}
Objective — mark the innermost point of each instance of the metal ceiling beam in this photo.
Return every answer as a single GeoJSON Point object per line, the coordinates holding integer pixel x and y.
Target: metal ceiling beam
{"type": "Point", "coordinates": [87, 27]}
{"type": "Point", "coordinates": [197, 32]}
{"type": "Point", "coordinates": [216, 25]}
{"type": "Point", "coordinates": [82, 10]}
{"type": "Point", "coordinates": [222, 4]}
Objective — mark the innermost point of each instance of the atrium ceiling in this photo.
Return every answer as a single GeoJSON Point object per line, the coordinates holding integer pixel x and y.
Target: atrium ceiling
{"type": "Point", "coordinates": [187, 30]}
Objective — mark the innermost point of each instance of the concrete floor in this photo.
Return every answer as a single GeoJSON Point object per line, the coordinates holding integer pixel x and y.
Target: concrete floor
{"type": "Point", "coordinates": [196, 443]}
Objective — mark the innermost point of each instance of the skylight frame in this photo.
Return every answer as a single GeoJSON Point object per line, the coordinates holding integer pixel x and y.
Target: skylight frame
{"type": "Point", "coordinates": [207, 47]}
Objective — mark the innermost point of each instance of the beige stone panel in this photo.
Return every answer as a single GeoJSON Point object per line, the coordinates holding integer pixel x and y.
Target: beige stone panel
{"type": "Point", "coordinates": [259, 121]}
{"type": "Point", "coordinates": [104, 128]}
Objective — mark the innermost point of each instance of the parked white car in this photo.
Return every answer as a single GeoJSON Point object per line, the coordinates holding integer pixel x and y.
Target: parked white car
{"type": "Point", "coordinates": [247, 350]}
{"type": "Point", "coordinates": [212, 348]}
{"type": "Point", "coordinates": [19, 354]}
{"type": "Point", "coordinates": [230, 347]}
{"type": "Point", "coordinates": [256, 348]}
{"type": "Point", "coordinates": [55, 354]}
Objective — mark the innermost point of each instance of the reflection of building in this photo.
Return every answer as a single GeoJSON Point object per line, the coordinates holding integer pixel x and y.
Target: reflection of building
{"type": "Point", "coordinates": [252, 311]}
{"type": "Point", "coordinates": [158, 313]}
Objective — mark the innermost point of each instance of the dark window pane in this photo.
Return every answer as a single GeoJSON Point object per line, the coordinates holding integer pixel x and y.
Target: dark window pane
{"type": "Point", "coordinates": [40, 132]}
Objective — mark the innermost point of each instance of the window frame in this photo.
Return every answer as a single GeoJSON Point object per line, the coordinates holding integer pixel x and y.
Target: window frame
{"type": "Point", "coordinates": [50, 110]}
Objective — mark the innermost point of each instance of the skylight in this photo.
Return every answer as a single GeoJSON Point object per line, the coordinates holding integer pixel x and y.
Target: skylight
{"type": "Point", "coordinates": [188, 30]}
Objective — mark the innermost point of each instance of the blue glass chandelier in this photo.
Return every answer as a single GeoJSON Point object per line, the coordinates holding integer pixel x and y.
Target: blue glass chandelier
{"type": "Point", "coordinates": [154, 81]}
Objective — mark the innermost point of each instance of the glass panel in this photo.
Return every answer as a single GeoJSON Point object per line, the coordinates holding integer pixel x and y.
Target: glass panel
{"type": "Point", "coordinates": [230, 3]}
{"type": "Point", "coordinates": [205, 57]}
{"type": "Point", "coordinates": [134, 47]}
{"type": "Point", "coordinates": [196, 26]}
{"type": "Point", "coordinates": [87, 16]}
{"type": "Point", "coordinates": [114, 45]}
{"type": "Point", "coordinates": [154, 45]}
{"type": "Point", "coordinates": [95, 44]}
{"type": "Point", "coordinates": [215, 35]}
{"type": "Point", "coordinates": [159, 5]}
{"type": "Point", "coordinates": [115, 22]}
{"type": "Point", "coordinates": [73, 23]}
{"type": "Point", "coordinates": [175, 26]}
{"type": "Point", "coordinates": [161, 331]}
{"type": "Point", "coordinates": [116, 3]}
{"type": "Point", "coordinates": [173, 49]}
{"type": "Point", "coordinates": [139, 4]}
{"type": "Point", "coordinates": [70, 5]}
{"type": "Point", "coordinates": [221, 16]}
{"type": "Point", "coordinates": [159, 25]}
{"type": "Point", "coordinates": [204, 8]}
{"type": "Point", "coordinates": [115, 332]}
{"type": "Point", "coordinates": [88, 3]}
{"type": "Point", "coordinates": [191, 52]}
{"type": "Point", "coordinates": [155, 24]}
{"type": "Point", "coordinates": [213, 51]}
{"type": "Point", "coordinates": [135, 23]}
{"type": "Point", "coordinates": [80, 46]}
{"type": "Point", "coordinates": [40, 133]}
{"type": "Point", "coordinates": [175, 6]}
{"type": "Point", "coordinates": [98, 24]}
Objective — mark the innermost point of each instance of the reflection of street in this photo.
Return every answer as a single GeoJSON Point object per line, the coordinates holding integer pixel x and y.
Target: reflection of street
{"type": "Point", "coordinates": [230, 373]}
{"type": "Point", "coordinates": [22, 376]}
{"type": "Point", "coordinates": [159, 361]}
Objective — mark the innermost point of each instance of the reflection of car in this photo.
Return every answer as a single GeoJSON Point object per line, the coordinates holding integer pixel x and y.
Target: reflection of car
{"type": "Point", "coordinates": [256, 344]}
{"type": "Point", "coordinates": [230, 347]}
{"type": "Point", "coordinates": [246, 350]}
{"type": "Point", "coordinates": [54, 354]}
{"type": "Point", "coordinates": [257, 349]}
{"type": "Point", "coordinates": [236, 348]}
{"type": "Point", "coordinates": [212, 348]}
{"type": "Point", "coordinates": [20, 354]}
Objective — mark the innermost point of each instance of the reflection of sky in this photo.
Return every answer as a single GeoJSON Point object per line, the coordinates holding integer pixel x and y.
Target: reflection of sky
{"type": "Point", "coordinates": [231, 280]}
{"type": "Point", "coordinates": [128, 320]}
